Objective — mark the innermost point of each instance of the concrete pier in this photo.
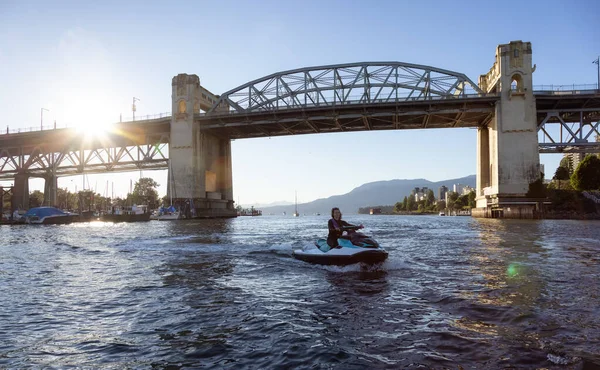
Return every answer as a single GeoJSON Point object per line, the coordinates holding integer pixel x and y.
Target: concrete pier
{"type": "Point", "coordinates": [507, 149]}
{"type": "Point", "coordinates": [50, 188]}
{"type": "Point", "coordinates": [200, 170]}
{"type": "Point", "coordinates": [20, 197]}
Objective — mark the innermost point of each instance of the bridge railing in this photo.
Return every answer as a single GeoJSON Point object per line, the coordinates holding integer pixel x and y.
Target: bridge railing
{"type": "Point", "coordinates": [564, 89]}
{"type": "Point", "coordinates": [20, 130]}
{"type": "Point", "coordinates": [146, 117]}
{"type": "Point", "coordinates": [357, 100]}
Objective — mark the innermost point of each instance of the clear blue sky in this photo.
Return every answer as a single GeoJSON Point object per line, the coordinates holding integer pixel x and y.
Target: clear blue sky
{"type": "Point", "coordinates": [86, 62]}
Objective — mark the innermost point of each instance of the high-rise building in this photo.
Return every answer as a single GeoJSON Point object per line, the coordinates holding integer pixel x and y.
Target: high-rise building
{"type": "Point", "coordinates": [442, 192]}
{"type": "Point", "coordinates": [466, 190]}
{"type": "Point", "coordinates": [458, 188]}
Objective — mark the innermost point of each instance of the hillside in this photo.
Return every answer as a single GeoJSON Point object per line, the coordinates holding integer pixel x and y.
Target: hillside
{"type": "Point", "coordinates": [369, 194]}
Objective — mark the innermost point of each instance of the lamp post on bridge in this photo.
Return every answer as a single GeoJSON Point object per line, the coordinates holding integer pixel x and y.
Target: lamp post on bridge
{"type": "Point", "coordinates": [133, 106]}
{"type": "Point", "coordinates": [42, 117]}
{"type": "Point", "coordinates": [597, 62]}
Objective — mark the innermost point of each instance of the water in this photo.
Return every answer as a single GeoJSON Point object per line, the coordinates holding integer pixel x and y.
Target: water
{"type": "Point", "coordinates": [455, 291]}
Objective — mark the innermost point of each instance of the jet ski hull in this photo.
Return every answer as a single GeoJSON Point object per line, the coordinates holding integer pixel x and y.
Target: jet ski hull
{"type": "Point", "coordinates": [347, 255]}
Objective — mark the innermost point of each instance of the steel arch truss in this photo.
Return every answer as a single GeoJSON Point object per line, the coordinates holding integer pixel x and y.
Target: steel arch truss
{"type": "Point", "coordinates": [335, 85]}
{"type": "Point", "coordinates": [41, 161]}
{"type": "Point", "coordinates": [569, 130]}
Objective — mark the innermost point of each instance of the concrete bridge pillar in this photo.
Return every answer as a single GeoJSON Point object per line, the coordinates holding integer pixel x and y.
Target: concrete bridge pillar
{"type": "Point", "coordinates": [200, 163]}
{"type": "Point", "coordinates": [508, 159]}
{"type": "Point", "coordinates": [50, 189]}
{"type": "Point", "coordinates": [20, 198]}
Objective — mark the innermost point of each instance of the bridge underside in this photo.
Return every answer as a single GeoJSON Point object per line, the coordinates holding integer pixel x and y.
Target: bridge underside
{"type": "Point", "coordinates": [357, 117]}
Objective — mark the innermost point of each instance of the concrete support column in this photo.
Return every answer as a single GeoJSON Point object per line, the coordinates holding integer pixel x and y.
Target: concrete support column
{"type": "Point", "coordinates": [21, 191]}
{"type": "Point", "coordinates": [200, 163]}
{"type": "Point", "coordinates": [186, 176]}
{"type": "Point", "coordinates": [483, 159]}
{"type": "Point", "coordinates": [225, 173]}
{"type": "Point", "coordinates": [508, 158]}
{"type": "Point", "coordinates": [50, 190]}
{"type": "Point", "coordinates": [2, 202]}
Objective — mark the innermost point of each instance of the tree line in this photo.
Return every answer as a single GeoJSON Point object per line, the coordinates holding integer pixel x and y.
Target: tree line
{"type": "Point", "coordinates": [428, 204]}
{"type": "Point", "coordinates": [585, 177]}
{"type": "Point", "coordinates": [144, 192]}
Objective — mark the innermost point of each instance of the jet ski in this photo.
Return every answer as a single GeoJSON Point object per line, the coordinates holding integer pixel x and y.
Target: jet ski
{"type": "Point", "coordinates": [365, 251]}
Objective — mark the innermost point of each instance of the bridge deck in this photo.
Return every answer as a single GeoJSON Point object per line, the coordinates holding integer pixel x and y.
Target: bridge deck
{"type": "Point", "coordinates": [446, 113]}
{"type": "Point", "coordinates": [138, 145]}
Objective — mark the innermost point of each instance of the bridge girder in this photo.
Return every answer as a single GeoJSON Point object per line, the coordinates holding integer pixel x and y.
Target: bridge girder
{"type": "Point", "coordinates": [43, 160]}
{"type": "Point", "coordinates": [335, 85]}
{"type": "Point", "coordinates": [569, 123]}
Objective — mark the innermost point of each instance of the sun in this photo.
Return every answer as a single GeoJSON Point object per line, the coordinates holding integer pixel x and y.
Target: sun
{"type": "Point", "coordinates": [91, 116]}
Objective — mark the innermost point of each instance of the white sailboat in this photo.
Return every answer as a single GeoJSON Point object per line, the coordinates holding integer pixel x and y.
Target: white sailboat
{"type": "Point", "coordinates": [296, 214]}
{"type": "Point", "coordinates": [170, 213]}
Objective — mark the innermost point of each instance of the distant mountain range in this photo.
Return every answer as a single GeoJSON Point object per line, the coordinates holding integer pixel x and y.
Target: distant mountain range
{"type": "Point", "coordinates": [370, 194]}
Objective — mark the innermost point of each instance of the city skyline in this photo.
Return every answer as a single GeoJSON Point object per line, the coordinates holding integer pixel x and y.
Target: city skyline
{"type": "Point", "coordinates": [90, 73]}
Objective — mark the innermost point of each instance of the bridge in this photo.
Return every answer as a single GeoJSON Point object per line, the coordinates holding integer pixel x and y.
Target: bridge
{"type": "Point", "coordinates": [515, 123]}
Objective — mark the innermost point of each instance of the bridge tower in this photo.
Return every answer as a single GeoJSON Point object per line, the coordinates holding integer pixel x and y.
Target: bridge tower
{"type": "Point", "coordinates": [508, 159]}
{"type": "Point", "coordinates": [200, 172]}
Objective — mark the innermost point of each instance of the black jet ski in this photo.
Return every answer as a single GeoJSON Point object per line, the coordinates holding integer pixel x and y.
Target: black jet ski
{"type": "Point", "coordinates": [366, 250]}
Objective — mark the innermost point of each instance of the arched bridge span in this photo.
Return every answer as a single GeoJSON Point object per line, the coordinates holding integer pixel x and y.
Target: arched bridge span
{"type": "Point", "coordinates": [352, 83]}
{"type": "Point", "coordinates": [349, 97]}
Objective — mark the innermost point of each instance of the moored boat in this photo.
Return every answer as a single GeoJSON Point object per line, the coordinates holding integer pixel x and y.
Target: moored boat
{"type": "Point", "coordinates": [127, 214]}
{"type": "Point", "coordinates": [48, 216]}
{"type": "Point", "coordinates": [169, 214]}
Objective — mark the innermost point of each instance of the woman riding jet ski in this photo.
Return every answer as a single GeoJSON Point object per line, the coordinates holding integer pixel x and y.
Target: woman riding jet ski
{"type": "Point", "coordinates": [344, 246]}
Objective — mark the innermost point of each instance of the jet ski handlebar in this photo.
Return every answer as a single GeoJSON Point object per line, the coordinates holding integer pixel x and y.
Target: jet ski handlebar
{"type": "Point", "coordinates": [352, 227]}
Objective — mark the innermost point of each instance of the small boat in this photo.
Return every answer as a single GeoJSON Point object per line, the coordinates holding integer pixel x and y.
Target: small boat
{"type": "Point", "coordinates": [48, 216]}
{"type": "Point", "coordinates": [442, 214]}
{"type": "Point", "coordinates": [250, 212]}
{"type": "Point", "coordinates": [369, 252]}
{"type": "Point", "coordinates": [169, 214]}
{"type": "Point", "coordinates": [127, 214]}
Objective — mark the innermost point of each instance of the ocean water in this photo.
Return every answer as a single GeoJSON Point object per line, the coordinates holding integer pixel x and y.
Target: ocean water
{"type": "Point", "coordinates": [455, 291]}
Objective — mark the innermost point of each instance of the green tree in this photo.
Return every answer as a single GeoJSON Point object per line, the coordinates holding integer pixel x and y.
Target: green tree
{"type": "Point", "coordinates": [471, 197]}
{"type": "Point", "coordinates": [398, 207]}
{"type": "Point", "coordinates": [461, 202]}
{"type": "Point", "coordinates": [566, 163]}
{"type": "Point", "coordinates": [411, 205]}
{"type": "Point", "coordinates": [421, 207]}
{"type": "Point", "coordinates": [144, 192]}
{"type": "Point", "coordinates": [405, 203]}
{"type": "Point", "coordinates": [587, 174]}
{"type": "Point", "coordinates": [562, 173]}
{"type": "Point", "coordinates": [430, 198]}
{"type": "Point", "coordinates": [441, 205]}
{"type": "Point", "coordinates": [452, 198]}
{"type": "Point", "coordinates": [36, 199]}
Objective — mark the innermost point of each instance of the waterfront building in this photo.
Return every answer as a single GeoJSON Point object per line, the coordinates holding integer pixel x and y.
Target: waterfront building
{"type": "Point", "coordinates": [442, 192]}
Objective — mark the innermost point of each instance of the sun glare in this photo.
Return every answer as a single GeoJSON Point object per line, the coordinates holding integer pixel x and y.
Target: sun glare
{"type": "Point", "coordinates": [90, 116]}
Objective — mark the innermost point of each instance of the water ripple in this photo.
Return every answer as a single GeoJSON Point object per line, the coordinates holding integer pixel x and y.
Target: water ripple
{"type": "Point", "coordinates": [455, 292]}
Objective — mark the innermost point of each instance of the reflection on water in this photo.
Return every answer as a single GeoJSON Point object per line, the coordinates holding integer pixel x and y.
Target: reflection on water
{"type": "Point", "coordinates": [226, 293]}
